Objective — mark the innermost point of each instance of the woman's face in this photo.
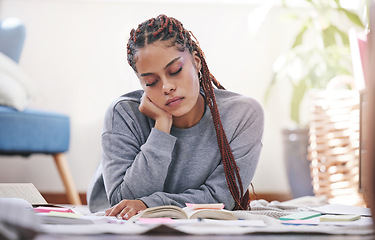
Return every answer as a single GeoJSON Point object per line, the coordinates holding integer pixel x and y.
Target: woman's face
{"type": "Point", "coordinates": [169, 77]}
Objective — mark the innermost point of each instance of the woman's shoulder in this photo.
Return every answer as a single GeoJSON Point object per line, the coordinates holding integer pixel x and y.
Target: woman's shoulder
{"type": "Point", "coordinates": [239, 112]}
{"type": "Point", "coordinates": [234, 101]}
{"type": "Point", "coordinates": [127, 100]}
{"type": "Point", "coordinates": [126, 104]}
{"type": "Point", "coordinates": [124, 110]}
{"type": "Point", "coordinates": [133, 96]}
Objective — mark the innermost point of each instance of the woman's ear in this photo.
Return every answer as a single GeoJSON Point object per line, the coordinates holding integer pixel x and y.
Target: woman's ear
{"type": "Point", "coordinates": [197, 60]}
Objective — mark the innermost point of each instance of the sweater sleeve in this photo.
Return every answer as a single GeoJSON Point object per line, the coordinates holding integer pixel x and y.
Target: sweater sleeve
{"type": "Point", "coordinates": [215, 189]}
{"type": "Point", "coordinates": [133, 166]}
{"type": "Point", "coordinates": [246, 145]}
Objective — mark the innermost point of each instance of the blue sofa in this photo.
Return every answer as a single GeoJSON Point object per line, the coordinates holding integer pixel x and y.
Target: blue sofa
{"type": "Point", "coordinates": [31, 131]}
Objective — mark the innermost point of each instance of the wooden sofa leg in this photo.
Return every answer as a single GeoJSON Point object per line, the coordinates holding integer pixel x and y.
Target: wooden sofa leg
{"type": "Point", "coordinates": [63, 168]}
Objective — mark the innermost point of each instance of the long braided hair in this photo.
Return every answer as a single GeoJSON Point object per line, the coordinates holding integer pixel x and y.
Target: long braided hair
{"type": "Point", "coordinates": [170, 30]}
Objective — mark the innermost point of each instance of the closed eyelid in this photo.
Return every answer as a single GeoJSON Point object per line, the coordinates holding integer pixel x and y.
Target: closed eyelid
{"type": "Point", "coordinates": [177, 71]}
{"type": "Point", "coordinates": [151, 83]}
{"type": "Point", "coordinates": [169, 64]}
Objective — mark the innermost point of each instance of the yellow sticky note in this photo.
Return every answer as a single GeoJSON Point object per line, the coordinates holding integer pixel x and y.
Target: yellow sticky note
{"type": "Point", "coordinates": [64, 214]}
{"type": "Point", "coordinates": [339, 218]}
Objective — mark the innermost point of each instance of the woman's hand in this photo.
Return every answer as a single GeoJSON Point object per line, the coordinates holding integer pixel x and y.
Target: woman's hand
{"type": "Point", "coordinates": [163, 120]}
{"type": "Point", "coordinates": [126, 209]}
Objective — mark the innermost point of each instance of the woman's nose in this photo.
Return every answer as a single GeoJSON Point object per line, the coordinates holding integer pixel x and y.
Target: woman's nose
{"type": "Point", "coordinates": [168, 86]}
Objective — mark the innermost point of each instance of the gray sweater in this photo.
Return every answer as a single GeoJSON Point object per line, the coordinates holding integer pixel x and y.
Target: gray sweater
{"type": "Point", "coordinates": [141, 162]}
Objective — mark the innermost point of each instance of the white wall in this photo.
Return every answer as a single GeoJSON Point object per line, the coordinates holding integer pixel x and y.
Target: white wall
{"type": "Point", "coordinates": [75, 53]}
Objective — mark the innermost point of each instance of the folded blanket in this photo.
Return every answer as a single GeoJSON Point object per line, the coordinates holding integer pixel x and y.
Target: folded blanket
{"type": "Point", "coordinates": [276, 209]}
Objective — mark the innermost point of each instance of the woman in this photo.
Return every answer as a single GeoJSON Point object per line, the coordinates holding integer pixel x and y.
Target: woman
{"type": "Point", "coordinates": [161, 146]}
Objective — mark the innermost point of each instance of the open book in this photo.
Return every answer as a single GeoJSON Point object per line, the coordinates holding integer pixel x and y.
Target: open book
{"type": "Point", "coordinates": [26, 191]}
{"type": "Point", "coordinates": [22, 203]}
{"type": "Point", "coordinates": [175, 212]}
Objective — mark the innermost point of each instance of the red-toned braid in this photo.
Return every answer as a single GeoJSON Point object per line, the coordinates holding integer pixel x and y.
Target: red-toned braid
{"type": "Point", "coordinates": [163, 28]}
{"type": "Point", "coordinates": [231, 170]}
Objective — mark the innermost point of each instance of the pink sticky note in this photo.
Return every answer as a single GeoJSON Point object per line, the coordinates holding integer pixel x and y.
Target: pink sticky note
{"type": "Point", "coordinates": [52, 209]}
{"type": "Point", "coordinates": [216, 206]}
{"type": "Point", "coordinates": [156, 220]}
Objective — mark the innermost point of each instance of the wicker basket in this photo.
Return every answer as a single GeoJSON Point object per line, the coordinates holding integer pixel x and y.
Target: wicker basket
{"type": "Point", "coordinates": [334, 146]}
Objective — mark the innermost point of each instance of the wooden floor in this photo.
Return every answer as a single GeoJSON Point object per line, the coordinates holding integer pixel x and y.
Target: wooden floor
{"type": "Point", "coordinates": [61, 198]}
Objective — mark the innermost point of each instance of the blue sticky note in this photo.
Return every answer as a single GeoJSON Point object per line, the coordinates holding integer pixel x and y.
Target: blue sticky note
{"type": "Point", "coordinates": [300, 216]}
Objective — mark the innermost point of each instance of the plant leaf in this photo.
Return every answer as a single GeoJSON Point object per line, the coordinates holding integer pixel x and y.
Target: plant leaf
{"type": "Point", "coordinates": [269, 88]}
{"type": "Point", "coordinates": [328, 35]}
{"type": "Point", "coordinates": [299, 38]}
{"type": "Point", "coordinates": [338, 3]}
{"type": "Point", "coordinates": [352, 17]}
{"type": "Point", "coordinates": [343, 35]}
{"type": "Point", "coordinates": [297, 96]}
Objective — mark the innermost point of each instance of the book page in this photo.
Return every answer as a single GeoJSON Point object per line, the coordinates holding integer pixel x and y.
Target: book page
{"type": "Point", "coordinates": [26, 191]}
{"type": "Point", "coordinates": [169, 211]}
{"type": "Point", "coordinates": [210, 214]}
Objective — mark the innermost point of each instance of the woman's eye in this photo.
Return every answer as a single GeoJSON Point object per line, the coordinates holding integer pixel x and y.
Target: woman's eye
{"type": "Point", "coordinates": [151, 84]}
{"type": "Point", "coordinates": [177, 72]}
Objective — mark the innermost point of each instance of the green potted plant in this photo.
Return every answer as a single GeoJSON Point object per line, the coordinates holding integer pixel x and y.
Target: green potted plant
{"type": "Point", "coordinates": [320, 52]}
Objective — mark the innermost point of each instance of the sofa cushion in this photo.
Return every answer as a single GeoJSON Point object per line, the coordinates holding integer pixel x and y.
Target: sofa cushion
{"type": "Point", "coordinates": [33, 131]}
{"type": "Point", "coordinates": [16, 87]}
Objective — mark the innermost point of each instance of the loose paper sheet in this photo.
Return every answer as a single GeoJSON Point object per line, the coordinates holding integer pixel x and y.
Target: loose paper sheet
{"type": "Point", "coordinates": [342, 209]}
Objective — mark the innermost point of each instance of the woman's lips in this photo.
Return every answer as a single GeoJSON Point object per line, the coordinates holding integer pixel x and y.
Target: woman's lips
{"type": "Point", "coordinates": [174, 101]}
